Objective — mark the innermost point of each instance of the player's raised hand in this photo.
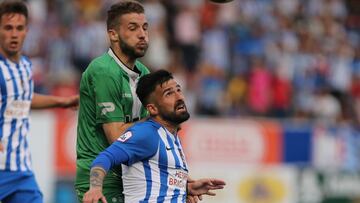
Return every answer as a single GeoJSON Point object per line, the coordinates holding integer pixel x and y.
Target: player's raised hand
{"type": "Point", "coordinates": [205, 186]}
{"type": "Point", "coordinates": [70, 102]}
{"type": "Point", "coordinates": [94, 195]}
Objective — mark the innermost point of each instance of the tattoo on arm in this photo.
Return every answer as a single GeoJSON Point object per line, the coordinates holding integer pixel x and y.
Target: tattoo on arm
{"type": "Point", "coordinates": [97, 175]}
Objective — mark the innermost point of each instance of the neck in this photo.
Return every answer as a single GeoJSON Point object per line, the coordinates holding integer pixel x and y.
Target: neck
{"type": "Point", "coordinates": [12, 57]}
{"type": "Point", "coordinates": [125, 59]}
{"type": "Point", "coordinates": [171, 127]}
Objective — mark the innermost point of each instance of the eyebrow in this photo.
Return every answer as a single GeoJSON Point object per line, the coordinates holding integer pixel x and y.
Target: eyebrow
{"type": "Point", "coordinates": [170, 88]}
{"type": "Point", "coordinates": [135, 23]}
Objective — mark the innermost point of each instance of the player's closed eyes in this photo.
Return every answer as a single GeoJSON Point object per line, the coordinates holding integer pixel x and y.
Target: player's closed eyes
{"type": "Point", "coordinates": [134, 27]}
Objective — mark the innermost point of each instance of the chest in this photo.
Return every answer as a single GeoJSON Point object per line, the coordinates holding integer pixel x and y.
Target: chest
{"type": "Point", "coordinates": [129, 100]}
{"type": "Point", "coordinates": [170, 153]}
{"type": "Point", "coordinates": [15, 81]}
{"type": "Point", "coordinates": [171, 162]}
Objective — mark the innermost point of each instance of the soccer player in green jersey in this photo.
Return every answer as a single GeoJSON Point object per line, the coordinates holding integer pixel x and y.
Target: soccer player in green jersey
{"type": "Point", "coordinates": [108, 101]}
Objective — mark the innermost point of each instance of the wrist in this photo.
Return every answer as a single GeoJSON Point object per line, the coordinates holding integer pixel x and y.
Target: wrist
{"type": "Point", "coordinates": [60, 102]}
{"type": "Point", "coordinates": [189, 188]}
{"type": "Point", "coordinates": [97, 175]}
{"type": "Point", "coordinates": [95, 187]}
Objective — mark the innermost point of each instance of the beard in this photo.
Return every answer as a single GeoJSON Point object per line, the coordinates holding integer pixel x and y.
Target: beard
{"type": "Point", "coordinates": [174, 117]}
{"type": "Point", "coordinates": [129, 50]}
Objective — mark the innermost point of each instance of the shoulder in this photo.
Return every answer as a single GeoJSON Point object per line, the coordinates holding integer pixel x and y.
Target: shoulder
{"type": "Point", "coordinates": [145, 127]}
{"type": "Point", "coordinates": [147, 130]}
{"type": "Point", "coordinates": [26, 59]}
{"type": "Point", "coordinates": [102, 65]}
{"type": "Point", "coordinates": [142, 68]}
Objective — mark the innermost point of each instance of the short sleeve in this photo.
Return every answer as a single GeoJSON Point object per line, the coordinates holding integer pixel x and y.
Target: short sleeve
{"type": "Point", "coordinates": [139, 143]}
{"type": "Point", "coordinates": [108, 102]}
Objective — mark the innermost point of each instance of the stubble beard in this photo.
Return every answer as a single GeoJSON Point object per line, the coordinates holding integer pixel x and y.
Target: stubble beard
{"type": "Point", "coordinates": [129, 50]}
{"type": "Point", "coordinates": [175, 118]}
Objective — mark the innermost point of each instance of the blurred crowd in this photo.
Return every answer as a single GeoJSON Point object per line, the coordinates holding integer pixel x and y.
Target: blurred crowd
{"type": "Point", "coordinates": [266, 58]}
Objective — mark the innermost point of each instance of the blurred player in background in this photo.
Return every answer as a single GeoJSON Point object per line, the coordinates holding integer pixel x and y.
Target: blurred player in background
{"type": "Point", "coordinates": [108, 104]}
{"type": "Point", "coordinates": [154, 165]}
{"type": "Point", "coordinates": [17, 181]}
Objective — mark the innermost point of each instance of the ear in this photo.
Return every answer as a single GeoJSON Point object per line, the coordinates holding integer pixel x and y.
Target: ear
{"type": "Point", "coordinates": [153, 110]}
{"type": "Point", "coordinates": [113, 35]}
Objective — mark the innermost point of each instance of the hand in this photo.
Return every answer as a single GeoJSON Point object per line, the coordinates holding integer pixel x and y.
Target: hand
{"type": "Point", "coordinates": [94, 195]}
{"type": "Point", "coordinates": [1, 147]}
{"type": "Point", "coordinates": [70, 102]}
{"type": "Point", "coordinates": [204, 187]}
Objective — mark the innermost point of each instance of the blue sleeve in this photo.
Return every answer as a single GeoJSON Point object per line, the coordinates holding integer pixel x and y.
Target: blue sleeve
{"type": "Point", "coordinates": [112, 156]}
{"type": "Point", "coordinates": [140, 142]}
{"type": "Point", "coordinates": [136, 144]}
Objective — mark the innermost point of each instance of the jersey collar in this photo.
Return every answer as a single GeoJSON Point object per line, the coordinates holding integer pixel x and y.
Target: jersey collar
{"type": "Point", "coordinates": [132, 74]}
{"type": "Point", "coordinates": [158, 125]}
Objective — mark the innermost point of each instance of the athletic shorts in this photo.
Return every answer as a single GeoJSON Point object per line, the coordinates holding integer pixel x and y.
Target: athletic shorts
{"type": "Point", "coordinates": [18, 187]}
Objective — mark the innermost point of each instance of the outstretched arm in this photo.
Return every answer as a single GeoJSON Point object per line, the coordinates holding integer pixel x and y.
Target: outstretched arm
{"type": "Point", "coordinates": [41, 101]}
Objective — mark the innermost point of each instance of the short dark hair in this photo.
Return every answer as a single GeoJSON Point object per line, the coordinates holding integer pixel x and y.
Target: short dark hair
{"type": "Point", "coordinates": [19, 7]}
{"type": "Point", "coordinates": [147, 84]}
{"type": "Point", "coordinates": [122, 8]}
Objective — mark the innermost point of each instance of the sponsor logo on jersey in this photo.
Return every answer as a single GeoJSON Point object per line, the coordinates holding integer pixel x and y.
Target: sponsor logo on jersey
{"type": "Point", "coordinates": [107, 107]}
{"type": "Point", "coordinates": [178, 179]}
{"type": "Point", "coordinates": [126, 95]}
{"type": "Point", "coordinates": [125, 136]}
{"type": "Point", "coordinates": [17, 109]}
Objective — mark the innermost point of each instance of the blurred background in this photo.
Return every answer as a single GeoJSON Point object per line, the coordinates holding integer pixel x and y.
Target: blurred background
{"type": "Point", "coordinates": [273, 87]}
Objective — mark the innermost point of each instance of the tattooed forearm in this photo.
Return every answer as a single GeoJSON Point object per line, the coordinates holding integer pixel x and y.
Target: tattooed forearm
{"type": "Point", "coordinates": [97, 175]}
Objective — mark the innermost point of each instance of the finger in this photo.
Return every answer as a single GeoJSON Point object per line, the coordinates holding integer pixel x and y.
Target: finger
{"type": "Point", "coordinates": [85, 199]}
{"type": "Point", "coordinates": [103, 199]}
{"type": "Point", "coordinates": [192, 199]}
{"type": "Point", "coordinates": [215, 187]}
{"type": "Point", "coordinates": [210, 193]}
{"type": "Point", "coordinates": [215, 181]}
{"type": "Point", "coordinates": [90, 200]}
{"type": "Point", "coordinates": [200, 197]}
{"type": "Point", "coordinates": [196, 198]}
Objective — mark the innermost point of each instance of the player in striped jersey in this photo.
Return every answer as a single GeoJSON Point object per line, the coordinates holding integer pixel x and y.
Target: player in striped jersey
{"type": "Point", "coordinates": [152, 158]}
{"type": "Point", "coordinates": [17, 182]}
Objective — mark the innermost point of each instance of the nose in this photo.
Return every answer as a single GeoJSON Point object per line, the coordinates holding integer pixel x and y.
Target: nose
{"type": "Point", "coordinates": [180, 96]}
{"type": "Point", "coordinates": [142, 34]}
{"type": "Point", "coordinates": [14, 33]}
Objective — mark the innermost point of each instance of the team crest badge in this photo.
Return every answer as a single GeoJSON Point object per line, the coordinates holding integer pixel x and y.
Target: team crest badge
{"type": "Point", "coordinates": [125, 136]}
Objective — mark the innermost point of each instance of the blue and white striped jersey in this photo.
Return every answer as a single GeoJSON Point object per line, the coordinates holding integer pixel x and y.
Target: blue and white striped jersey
{"type": "Point", "coordinates": [156, 170]}
{"type": "Point", "coordinates": [16, 86]}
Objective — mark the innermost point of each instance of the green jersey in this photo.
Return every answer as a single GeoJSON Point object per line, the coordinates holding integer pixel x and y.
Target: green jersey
{"type": "Point", "coordinates": [107, 94]}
